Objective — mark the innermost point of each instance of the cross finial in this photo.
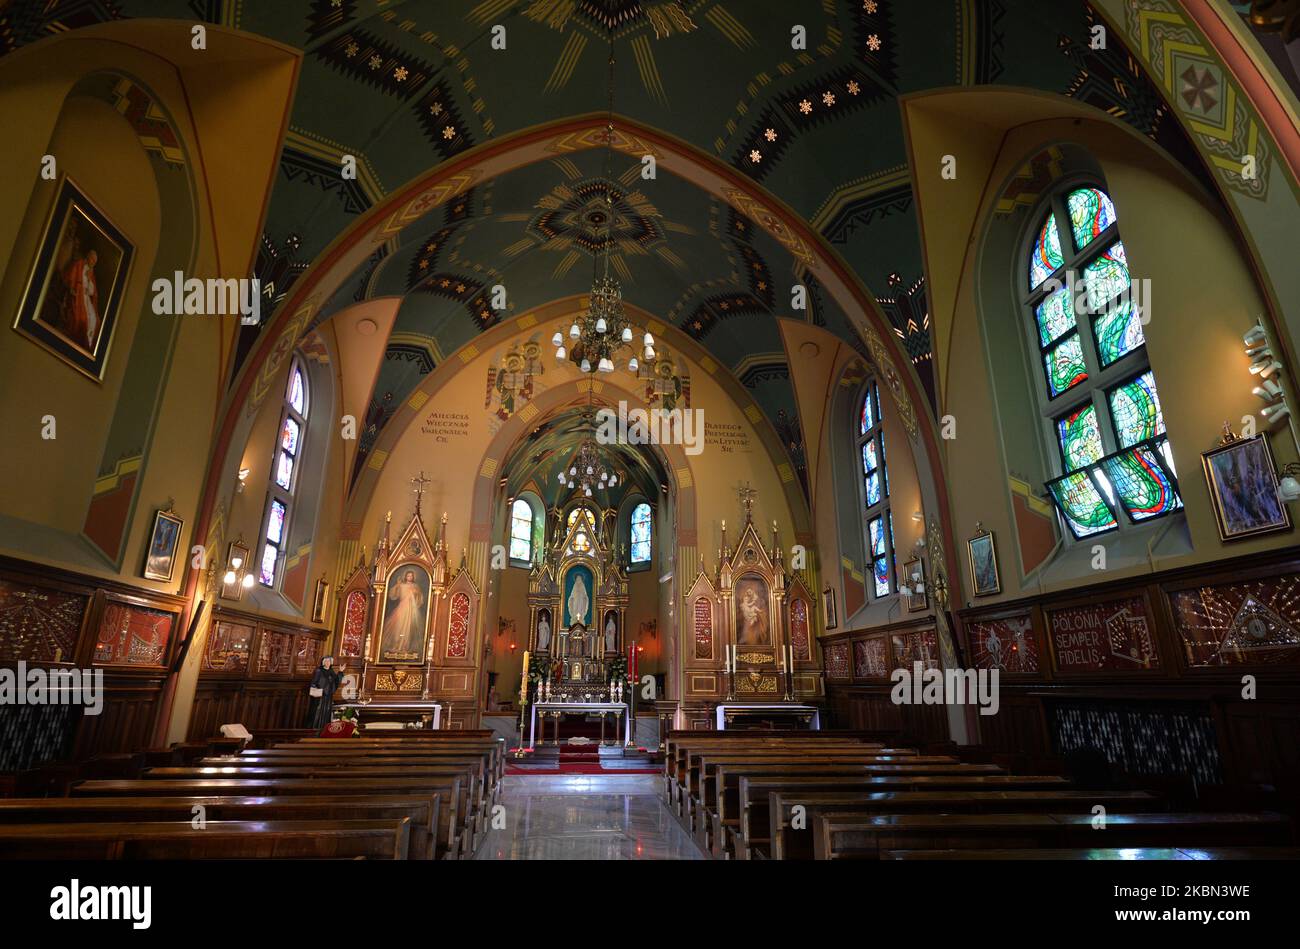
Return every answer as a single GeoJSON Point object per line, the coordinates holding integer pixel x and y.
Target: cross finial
{"type": "Point", "coordinates": [747, 495]}
{"type": "Point", "coordinates": [419, 481]}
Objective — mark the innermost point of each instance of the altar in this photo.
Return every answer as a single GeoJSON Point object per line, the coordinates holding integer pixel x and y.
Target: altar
{"type": "Point", "coordinates": [557, 710]}
{"type": "Point", "coordinates": [773, 715]}
{"type": "Point", "coordinates": [396, 714]}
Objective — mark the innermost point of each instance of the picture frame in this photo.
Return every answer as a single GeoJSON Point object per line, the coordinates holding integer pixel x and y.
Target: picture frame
{"type": "Point", "coordinates": [240, 551]}
{"type": "Point", "coordinates": [829, 614]}
{"type": "Point", "coordinates": [320, 601]}
{"type": "Point", "coordinates": [1241, 476]}
{"type": "Point", "coordinates": [73, 296]}
{"type": "Point", "coordinates": [164, 541]}
{"type": "Point", "coordinates": [912, 569]}
{"type": "Point", "coordinates": [982, 557]}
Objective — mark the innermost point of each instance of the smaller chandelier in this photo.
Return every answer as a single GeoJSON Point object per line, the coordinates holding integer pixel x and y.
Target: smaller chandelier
{"type": "Point", "coordinates": [588, 471]}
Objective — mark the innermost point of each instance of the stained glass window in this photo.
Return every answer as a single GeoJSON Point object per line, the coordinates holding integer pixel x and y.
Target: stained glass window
{"type": "Point", "coordinates": [641, 533]}
{"type": "Point", "coordinates": [288, 449]}
{"type": "Point", "coordinates": [1135, 410]}
{"type": "Point", "coordinates": [1046, 257]}
{"type": "Point", "coordinates": [521, 531]}
{"type": "Point", "coordinates": [1118, 330]}
{"type": "Point", "coordinates": [1142, 483]}
{"type": "Point", "coordinates": [1055, 316]}
{"type": "Point", "coordinates": [1086, 511]}
{"type": "Point", "coordinates": [1091, 212]}
{"type": "Point", "coordinates": [875, 492]}
{"type": "Point", "coordinates": [1107, 276]}
{"type": "Point", "coordinates": [1113, 451]}
{"type": "Point", "coordinates": [1065, 366]}
{"type": "Point", "coordinates": [1080, 437]}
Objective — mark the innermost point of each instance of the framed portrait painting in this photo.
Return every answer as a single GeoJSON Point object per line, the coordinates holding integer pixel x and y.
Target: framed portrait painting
{"type": "Point", "coordinates": [1242, 479]}
{"type": "Point", "coordinates": [405, 626]}
{"type": "Point", "coordinates": [160, 558]}
{"type": "Point", "coordinates": [983, 557]}
{"type": "Point", "coordinates": [75, 288]}
{"type": "Point", "coordinates": [830, 616]}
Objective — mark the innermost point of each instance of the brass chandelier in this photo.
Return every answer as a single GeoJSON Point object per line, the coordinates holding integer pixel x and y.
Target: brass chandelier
{"type": "Point", "coordinates": [598, 337]}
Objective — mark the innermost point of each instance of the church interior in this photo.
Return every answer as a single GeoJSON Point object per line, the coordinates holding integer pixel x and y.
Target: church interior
{"type": "Point", "coordinates": [650, 429]}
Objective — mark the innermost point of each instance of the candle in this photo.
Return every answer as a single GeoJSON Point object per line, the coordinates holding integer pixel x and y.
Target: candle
{"type": "Point", "coordinates": [523, 681]}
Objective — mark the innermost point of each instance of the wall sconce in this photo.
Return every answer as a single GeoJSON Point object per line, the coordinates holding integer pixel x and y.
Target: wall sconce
{"type": "Point", "coordinates": [1288, 489]}
{"type": "Point", "coordinates": [1265, 365]}
{"type": "Point", "coordinates": [243, 479]}
{"type": "Point", "coordinates": [237, 577]}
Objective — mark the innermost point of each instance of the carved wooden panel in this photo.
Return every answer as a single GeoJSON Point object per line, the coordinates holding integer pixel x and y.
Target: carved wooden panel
{"type": "Point", "coordinates": [308, 655]}
{"type": "Point", "coordinates": [131, 635]}
{"type": "Point", "coordinates": [353, 639]}
{"type": "Point", "coordinates": [702, 615]}
{"type": "Point", "coordinates": [274, 653]}
{"type": "Point", "coordinates": [458, 626]}
{"type": "Point", "coordinates": [1105, 636]}
{"type": "Point", "coordinates": [228, 647]}
{"type": "Point", "coordinates": [871, 658]}
{"type": "Point", "coordinates": [1232, 624]}
{"type": "Point", "coordinates": [1007, 643]}
{"type": "Point", "coordinates": [837, 661]}
{"type": "Point", "coordinates": [38, 624]}
{"type": "Point", "coordinates": [800, 641]}
{"type": "Point", "coordinates": [912, 647]}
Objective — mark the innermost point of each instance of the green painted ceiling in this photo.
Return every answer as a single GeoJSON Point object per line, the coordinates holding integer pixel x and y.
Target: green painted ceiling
{"type": "Point", "coordinates": [406, 85]}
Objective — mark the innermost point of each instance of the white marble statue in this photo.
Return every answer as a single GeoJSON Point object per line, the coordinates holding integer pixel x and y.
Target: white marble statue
{"type": "Point", "coordinates": [578, 602]}
{"type": "Point", "coordinates": [611, 634]}
{"type": "Point", "coordinates": [543, 634]}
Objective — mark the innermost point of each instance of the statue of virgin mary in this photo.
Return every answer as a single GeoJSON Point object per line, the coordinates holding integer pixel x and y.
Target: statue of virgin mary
{"type": "Point", "coordinates": [578, 602]}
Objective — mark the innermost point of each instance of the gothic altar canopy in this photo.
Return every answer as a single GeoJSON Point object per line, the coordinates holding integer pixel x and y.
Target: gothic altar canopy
{"type": "Point", "coordinates": [577, 603]}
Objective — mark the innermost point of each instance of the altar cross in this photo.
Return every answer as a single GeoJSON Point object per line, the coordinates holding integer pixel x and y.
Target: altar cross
{"type": "Point", "coordinates": [419, 481]}
{"type": "Point", "coordinates": [747, 495]}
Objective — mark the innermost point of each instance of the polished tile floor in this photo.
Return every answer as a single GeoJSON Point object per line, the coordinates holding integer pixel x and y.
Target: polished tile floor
{"type": "Point", "coordinates": [586, 817]}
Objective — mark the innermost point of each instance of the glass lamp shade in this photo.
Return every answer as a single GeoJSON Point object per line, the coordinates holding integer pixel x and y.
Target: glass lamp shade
{"type": "Point", "coordinates": [248, 581]}
{"type": "Point", "coordinates": [574, 332]}
{"type": "Point", "coordinates": [627, 334]}
{"type": "Point", "coordinates": [606, 364]}
{"type": "Point", "coordinates": [649, 352]}
{"type": "Point", "coordinates": [557, 339]}
{"type": "Point", "coordinates": [589, 469]}
{"type": "Point", "coordinates": [632, 364]}
{"type": "Point", "coordinates": [613, 480]}
{"type": "Point", "coordinates": [229, 578]}
{"type": "Point", "coordinates": [648, 340]}
{"type": "Point", "coordinates": [587, 492]}
{"type": "Point", "coordinates": [601, 325]}
{"type": "Point", "coordinates": [570, 482]}
{"type": "Point", "coordinates": [560, 477]}
{"type": "Point", "coordinates": [573, 470]}
{"type": "Point", "coordinates": [560, 354]}
{"type": "Point", "coordinates": [586, 365]}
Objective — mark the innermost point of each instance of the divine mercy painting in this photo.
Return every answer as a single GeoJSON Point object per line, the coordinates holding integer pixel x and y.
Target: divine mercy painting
{"type": "Point", "coordinates": [75, 289]}
{"type": "Point", "coordinates": [406, 615]}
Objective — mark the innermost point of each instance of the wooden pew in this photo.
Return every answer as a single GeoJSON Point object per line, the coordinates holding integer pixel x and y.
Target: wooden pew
{"type": "Point", "coordinates": [241, 840]}
{"type": "Point", "coordinates": [677, 741]}
{"type": "Point", "coordinates": [473, 807]}
{"type": "Point", "coordinates": [421, 811]}
{"type": "Point", "coordinates": [720, 776]}
{"type": "Point", "coordinates": [452, 836]}
{"type": "Point", "coordinates": [1128, 853]}
{"type": "Point", "coordinates": [784, 842]}
{"type": "Point", "coordinates": [867, 836]}
{"type": "Point", "coordinates": [495, 747]}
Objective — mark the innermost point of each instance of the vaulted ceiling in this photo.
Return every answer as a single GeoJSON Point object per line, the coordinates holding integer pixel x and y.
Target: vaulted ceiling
{"type": "Point", "coordinates": [405, 86]}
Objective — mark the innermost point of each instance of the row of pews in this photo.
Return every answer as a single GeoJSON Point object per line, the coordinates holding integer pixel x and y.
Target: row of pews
{"type": "Point", "coordinates": [834, 795]}
{"type": "Point", "coordinates": [403, 796]}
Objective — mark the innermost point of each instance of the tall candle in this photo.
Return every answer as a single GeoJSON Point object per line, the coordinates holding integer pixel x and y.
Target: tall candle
{"type": "Point", "coordinates": [523, 681]}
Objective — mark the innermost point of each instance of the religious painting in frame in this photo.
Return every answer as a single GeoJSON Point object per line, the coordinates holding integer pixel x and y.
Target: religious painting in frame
{"type": "Point", "coordinates": [74, 293]}
{"type": "Point", "coordinates": [914, 578]}
{"type": "Point", "coordinates": [1243, 623]}
{"type": "Point", "coordinates": [752, 623]}
{"type": "Point", "coordinates": [1007, 643]}
{"type": "Point", "coordinates": [39, 624]}
{"type": "Point", "coordinates": [982, 555]}
{"type": "Point", "coordinates": [830, 616]}
{"type": "Point", "coordinates": [404, 629]}
{"type": "Point", "coordinates": [164, 539]}
{"type": "Point", "coordinates": [578, 588]}
{"type": "Point", "coordinates": [320, 601]}
{"type": "Point", "coordinates": [1242, 480]}
{"type": "Point", "coordinates": [1091, 637]}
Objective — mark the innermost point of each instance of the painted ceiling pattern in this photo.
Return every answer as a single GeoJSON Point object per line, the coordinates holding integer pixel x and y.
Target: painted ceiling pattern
{"type": "Point", "coordinates": [406, 86]}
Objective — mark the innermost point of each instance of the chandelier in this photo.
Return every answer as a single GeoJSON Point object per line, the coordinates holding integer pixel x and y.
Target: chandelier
{"type": "Point", "coordinates": [588, 470]}
{"type": "Point", "coordinates": [598, 337]}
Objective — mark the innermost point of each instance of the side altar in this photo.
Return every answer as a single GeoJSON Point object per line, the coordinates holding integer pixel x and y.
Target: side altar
{"type": "Point", "coordinates": [409, 623]}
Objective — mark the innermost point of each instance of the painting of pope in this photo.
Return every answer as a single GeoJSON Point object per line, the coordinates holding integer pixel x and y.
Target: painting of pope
{"type": "Point", "coordinates": [406, 614]}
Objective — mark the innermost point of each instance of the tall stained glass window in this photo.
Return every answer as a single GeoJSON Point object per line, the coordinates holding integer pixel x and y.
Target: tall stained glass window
{"type": "Point", "coordinates": [1098, 391]}
{"type": "Point", "coordinates": [875, 493]}
{"type": "Point", "coordinates": [640, 533]}
{"type": "Point", "coordinates": [521, 531]}
{"type": "Point", "coordinates": [284, 475]}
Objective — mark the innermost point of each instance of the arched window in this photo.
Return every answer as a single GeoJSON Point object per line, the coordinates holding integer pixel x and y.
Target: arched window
{"type": "Point", "coordinates": [641, 531]}
{"type": "Point", "coordinates": [521, 531]}
{"type": "Point", "coordinates": [284, 474]}
{"type": "Point", "coordinates": [875, 493]}
{"type": "Point", "coordinates": [1099, 400]}
{"type": "Point", "coordinates": [581, 542]}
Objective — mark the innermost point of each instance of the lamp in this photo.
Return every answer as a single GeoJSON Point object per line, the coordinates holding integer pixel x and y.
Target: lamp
{"type": "Point", "coordinates": [1288, 489]}
{"type": "Point", "coordinates": [237, 577]}
{"type": "Point", "coordinates": [1265, 364]}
